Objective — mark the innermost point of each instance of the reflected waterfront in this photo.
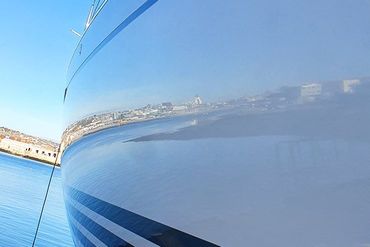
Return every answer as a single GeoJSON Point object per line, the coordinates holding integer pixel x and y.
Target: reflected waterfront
{"type": "Point", "coordinates": [272, 113]}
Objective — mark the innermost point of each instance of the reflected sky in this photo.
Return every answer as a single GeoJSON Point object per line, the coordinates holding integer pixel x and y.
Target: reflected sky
{"type": "Point", "coordinates": [176, 50]}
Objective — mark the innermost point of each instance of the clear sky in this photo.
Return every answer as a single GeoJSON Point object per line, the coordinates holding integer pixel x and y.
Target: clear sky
{"type": "Point", "coordinates": [35, 47]}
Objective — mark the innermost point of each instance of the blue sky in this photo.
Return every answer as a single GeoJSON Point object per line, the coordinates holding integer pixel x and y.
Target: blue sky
{"type": "Point", "coordinates": [35, 47]}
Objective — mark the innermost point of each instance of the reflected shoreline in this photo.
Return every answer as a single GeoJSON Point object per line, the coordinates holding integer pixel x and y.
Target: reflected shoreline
{"type": "Point", "coordinates": [291, 110]}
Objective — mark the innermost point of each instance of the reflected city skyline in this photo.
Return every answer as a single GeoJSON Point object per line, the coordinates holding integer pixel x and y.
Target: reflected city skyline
{"type": "Point", "coordinates": [282, 99]}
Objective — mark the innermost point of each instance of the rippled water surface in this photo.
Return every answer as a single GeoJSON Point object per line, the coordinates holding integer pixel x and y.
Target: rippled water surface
{"type": "Point", "coordinates": [22, 188]}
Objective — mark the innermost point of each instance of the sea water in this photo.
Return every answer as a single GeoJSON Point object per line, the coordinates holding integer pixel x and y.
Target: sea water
{"type": "Point", "coordinates": [23, 184]}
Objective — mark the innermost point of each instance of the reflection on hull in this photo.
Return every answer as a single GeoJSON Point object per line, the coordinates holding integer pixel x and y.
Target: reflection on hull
{"type": "Point", "coordinates": [173, 185]}
{"type": "Point", "coordinates": [251, 160]}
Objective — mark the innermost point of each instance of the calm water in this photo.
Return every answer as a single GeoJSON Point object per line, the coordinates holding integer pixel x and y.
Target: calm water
{"type": "Point", "coordinates": [23, 185]}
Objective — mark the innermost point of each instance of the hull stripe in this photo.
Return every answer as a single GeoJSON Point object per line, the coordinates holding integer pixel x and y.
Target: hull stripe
{"type": "Point", "coordinates": [151, 230]}
{"type": "Point", "coordinates": [90, 236]}
{"type": "Point", "coordinates": [117, 230]}
{"type": "Point", "coordinates": [99, 232]}
{"type": "Point", "coordinates": [82, 240]}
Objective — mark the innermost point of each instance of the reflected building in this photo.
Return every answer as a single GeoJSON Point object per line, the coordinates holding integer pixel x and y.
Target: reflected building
{"type": "Point", "coordinates": [349, 85]}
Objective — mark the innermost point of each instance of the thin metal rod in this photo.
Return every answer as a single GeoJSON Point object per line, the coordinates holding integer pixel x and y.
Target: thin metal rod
{"type": "Point", "coordinates": [45, 197]}
{"type": "Point", "coordinates": [90, 15]}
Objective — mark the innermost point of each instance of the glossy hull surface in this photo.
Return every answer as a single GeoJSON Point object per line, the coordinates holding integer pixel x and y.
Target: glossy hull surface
{"type": "Point", "coordinates": [263, 190]}
{"type": "Point", "coordinates": [193, 124]}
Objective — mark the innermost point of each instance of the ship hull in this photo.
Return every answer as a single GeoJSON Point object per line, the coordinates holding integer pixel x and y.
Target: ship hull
{"type": "Point", "coordinates": [183, 129]}
{"type": "Point", "coordinates": [167, 184]}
